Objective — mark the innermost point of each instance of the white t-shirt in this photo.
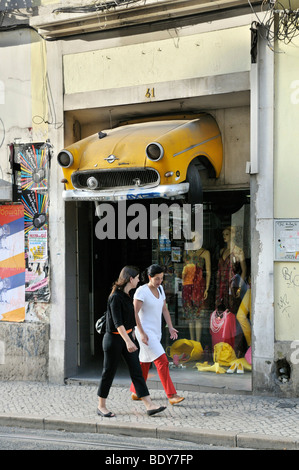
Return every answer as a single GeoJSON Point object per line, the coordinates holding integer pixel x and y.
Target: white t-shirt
{"type": "Point", "coordinates": [150, 316]}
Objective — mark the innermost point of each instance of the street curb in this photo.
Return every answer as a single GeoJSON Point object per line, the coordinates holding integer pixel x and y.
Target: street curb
{"type": "Point", "coordinates": [263, 441]}
{"type": "Point", "coordinates": [26, 421]}
{"type": "Point", "coordinates": [200, 436]}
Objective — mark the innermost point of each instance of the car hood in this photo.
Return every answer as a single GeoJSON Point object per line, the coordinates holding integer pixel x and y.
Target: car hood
{"type": "Point", "coordinates": [126, 144]}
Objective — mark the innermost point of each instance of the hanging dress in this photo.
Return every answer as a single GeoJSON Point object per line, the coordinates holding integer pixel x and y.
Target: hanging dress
{"type": "Point", "coordinates": [187, 289]}
{"type": "Point", "coordinates": [199, 285]}
{"type": "Point", "coordinates": [226, 287]}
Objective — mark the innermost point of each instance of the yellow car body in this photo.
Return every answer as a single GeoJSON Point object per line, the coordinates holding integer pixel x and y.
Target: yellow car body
{"type": "Point", "coordinates": [141, 160]}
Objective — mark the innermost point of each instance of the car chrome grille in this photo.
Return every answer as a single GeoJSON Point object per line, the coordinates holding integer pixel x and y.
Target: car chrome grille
{"type": "Point", "coordinates": [124, 178]}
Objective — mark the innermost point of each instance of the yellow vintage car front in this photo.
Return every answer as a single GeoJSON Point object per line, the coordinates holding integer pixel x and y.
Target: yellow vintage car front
{"type": "Point", "coordinates": [153, 159]}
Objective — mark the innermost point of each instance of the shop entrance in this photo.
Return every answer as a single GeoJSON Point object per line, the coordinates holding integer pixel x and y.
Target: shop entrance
{"type": "Point", "coordinates": [100, 261]}
{"type": "Point", "coordinates": [109, 257]}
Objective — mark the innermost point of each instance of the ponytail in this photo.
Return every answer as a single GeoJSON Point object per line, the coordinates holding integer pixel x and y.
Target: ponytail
{"type": "Point", "coordinates": [124, 277]}
{"type": "Point", "coordinates": [152, 271]}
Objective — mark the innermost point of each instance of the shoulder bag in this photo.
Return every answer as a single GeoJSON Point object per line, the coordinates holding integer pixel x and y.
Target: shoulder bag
{"type": "Point", "coordinates": [100, 325]}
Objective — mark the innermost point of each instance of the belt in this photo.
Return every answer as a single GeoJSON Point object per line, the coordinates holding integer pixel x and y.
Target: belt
{"type": "Point", "coordinates": [117, 333]}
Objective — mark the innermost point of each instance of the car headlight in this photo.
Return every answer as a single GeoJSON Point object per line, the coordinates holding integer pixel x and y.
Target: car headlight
{"type": "Point", "coordinates": [65, 159]}
{"type": "Point", "coordinates": [154, 151]}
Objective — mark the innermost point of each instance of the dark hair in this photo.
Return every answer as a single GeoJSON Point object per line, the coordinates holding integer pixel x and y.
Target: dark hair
{"type": "Point", "coordinates": [151, 271]}
{"type": "Point", "coordinates": [124, 277]}
{"type": "Point", "coordinates": [154, 269]}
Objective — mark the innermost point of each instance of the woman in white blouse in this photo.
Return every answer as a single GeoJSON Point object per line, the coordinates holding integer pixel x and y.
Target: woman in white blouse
{"type": "Point", "coordinates": [149, 304]}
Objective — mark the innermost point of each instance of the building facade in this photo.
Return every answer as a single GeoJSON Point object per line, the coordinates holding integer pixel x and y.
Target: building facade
{"type": "Point", "coordinates": [78, 70]}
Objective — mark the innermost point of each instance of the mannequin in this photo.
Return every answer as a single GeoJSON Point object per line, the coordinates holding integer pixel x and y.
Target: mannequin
{"type": "Point", "coordinates": [199, 262]}
{"type": "Point", "coordinates": [188, 274]}
{"type": "Point", "coordinates": [202, 260]}
{"type": "Point", "coordinates": [231, 272]}
{"type": "Point", "coordinates": [223, 326]}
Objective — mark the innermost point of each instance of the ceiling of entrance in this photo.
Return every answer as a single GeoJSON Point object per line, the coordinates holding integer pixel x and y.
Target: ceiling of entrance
{"type": "Point", "coordinates": [110, 116]}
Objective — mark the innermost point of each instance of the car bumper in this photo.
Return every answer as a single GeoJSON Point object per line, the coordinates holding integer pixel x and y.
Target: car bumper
{"type": "Point", "coordinates": [163, 191]}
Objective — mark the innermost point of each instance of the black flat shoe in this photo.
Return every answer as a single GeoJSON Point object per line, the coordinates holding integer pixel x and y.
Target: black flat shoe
{"type": "Point", "coordinates": [157, 410]}
{"type": "Point", "coordinates": [107, 415]}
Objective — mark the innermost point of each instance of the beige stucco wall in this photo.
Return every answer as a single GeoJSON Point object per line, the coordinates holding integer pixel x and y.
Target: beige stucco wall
{"type": "Point", "coordinates": [39, 88]}
{"type": "Point", "coordinates": [15, 102]}
{"type": "Point", "coordinates": [178, 58]}
{"type": "Point", "coordinates": [286, 187]}
{"type": "Point", "coordinates": [286, 290]}
{"type": "Point", "coordinates": [23, 91]}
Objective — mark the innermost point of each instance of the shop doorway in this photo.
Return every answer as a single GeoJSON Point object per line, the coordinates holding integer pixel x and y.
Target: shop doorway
{"type": "Point", "coordinates": [100, 261]}
{"type": "Point", "coordinates": [98, 264]}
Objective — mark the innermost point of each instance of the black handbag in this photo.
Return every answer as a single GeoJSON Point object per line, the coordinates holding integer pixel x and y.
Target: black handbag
{"type": "Point", "coordinates": [100, 325]}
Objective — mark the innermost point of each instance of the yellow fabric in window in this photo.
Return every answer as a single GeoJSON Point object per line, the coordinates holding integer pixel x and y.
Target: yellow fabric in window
{"type": "Point", "coordinates": [206, 367]}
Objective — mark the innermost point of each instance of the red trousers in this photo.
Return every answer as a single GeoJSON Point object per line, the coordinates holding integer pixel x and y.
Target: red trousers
{"type": "Point", "coordinates": [162, 366]}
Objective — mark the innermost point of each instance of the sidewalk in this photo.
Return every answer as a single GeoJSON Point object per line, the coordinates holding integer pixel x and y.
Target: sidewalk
{"type": "Point", "coordinates": [208, 418]}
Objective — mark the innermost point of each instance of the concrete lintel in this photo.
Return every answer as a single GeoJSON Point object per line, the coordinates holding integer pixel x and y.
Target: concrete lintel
{"type": "Point", "coordinates": [182, 89]}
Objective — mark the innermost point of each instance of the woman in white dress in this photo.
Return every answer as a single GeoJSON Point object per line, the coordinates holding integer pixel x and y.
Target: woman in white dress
{"type": "Point", "coordinates": [149, 304]}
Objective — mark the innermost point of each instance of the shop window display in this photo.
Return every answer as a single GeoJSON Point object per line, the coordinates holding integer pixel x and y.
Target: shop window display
{"type": "Point", "coordinates": [208, 293]}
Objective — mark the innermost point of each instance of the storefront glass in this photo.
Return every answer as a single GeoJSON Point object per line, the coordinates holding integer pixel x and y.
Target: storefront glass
{"type": "Point", "coordinates": [208, 289]}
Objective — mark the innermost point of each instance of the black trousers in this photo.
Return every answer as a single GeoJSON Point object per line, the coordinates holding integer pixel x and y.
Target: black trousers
{"type": "Point", "coordinates": [113, 347]}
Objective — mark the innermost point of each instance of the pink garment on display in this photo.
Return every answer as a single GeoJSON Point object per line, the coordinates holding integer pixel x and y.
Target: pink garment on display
{"type": "Point", "coordinates": [248, 355]}
{"type": "Point", "coordinates": [223, 328]}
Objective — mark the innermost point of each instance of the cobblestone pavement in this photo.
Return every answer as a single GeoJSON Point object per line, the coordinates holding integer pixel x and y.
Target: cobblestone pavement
{"type": "Point", "coordinates": [245, 420]}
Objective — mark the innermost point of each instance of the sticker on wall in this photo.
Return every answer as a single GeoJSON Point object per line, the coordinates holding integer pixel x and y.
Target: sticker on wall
{"type": "Point", "coordinates": [36, 246]}
{"type": "Point", "coordinates": [31, 169]}
{"type": "Point", "coordinates": [35, 211]}
{"type": "Point", "coordinates": [33, 159]}
{"type": "Point", "coordinates": [37, 281]}
{"type": "Point", "coordinates": [12, 263]}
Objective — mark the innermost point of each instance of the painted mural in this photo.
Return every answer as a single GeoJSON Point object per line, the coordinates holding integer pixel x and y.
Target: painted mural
{"type": "Point", "coordinates": [12, 263]}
